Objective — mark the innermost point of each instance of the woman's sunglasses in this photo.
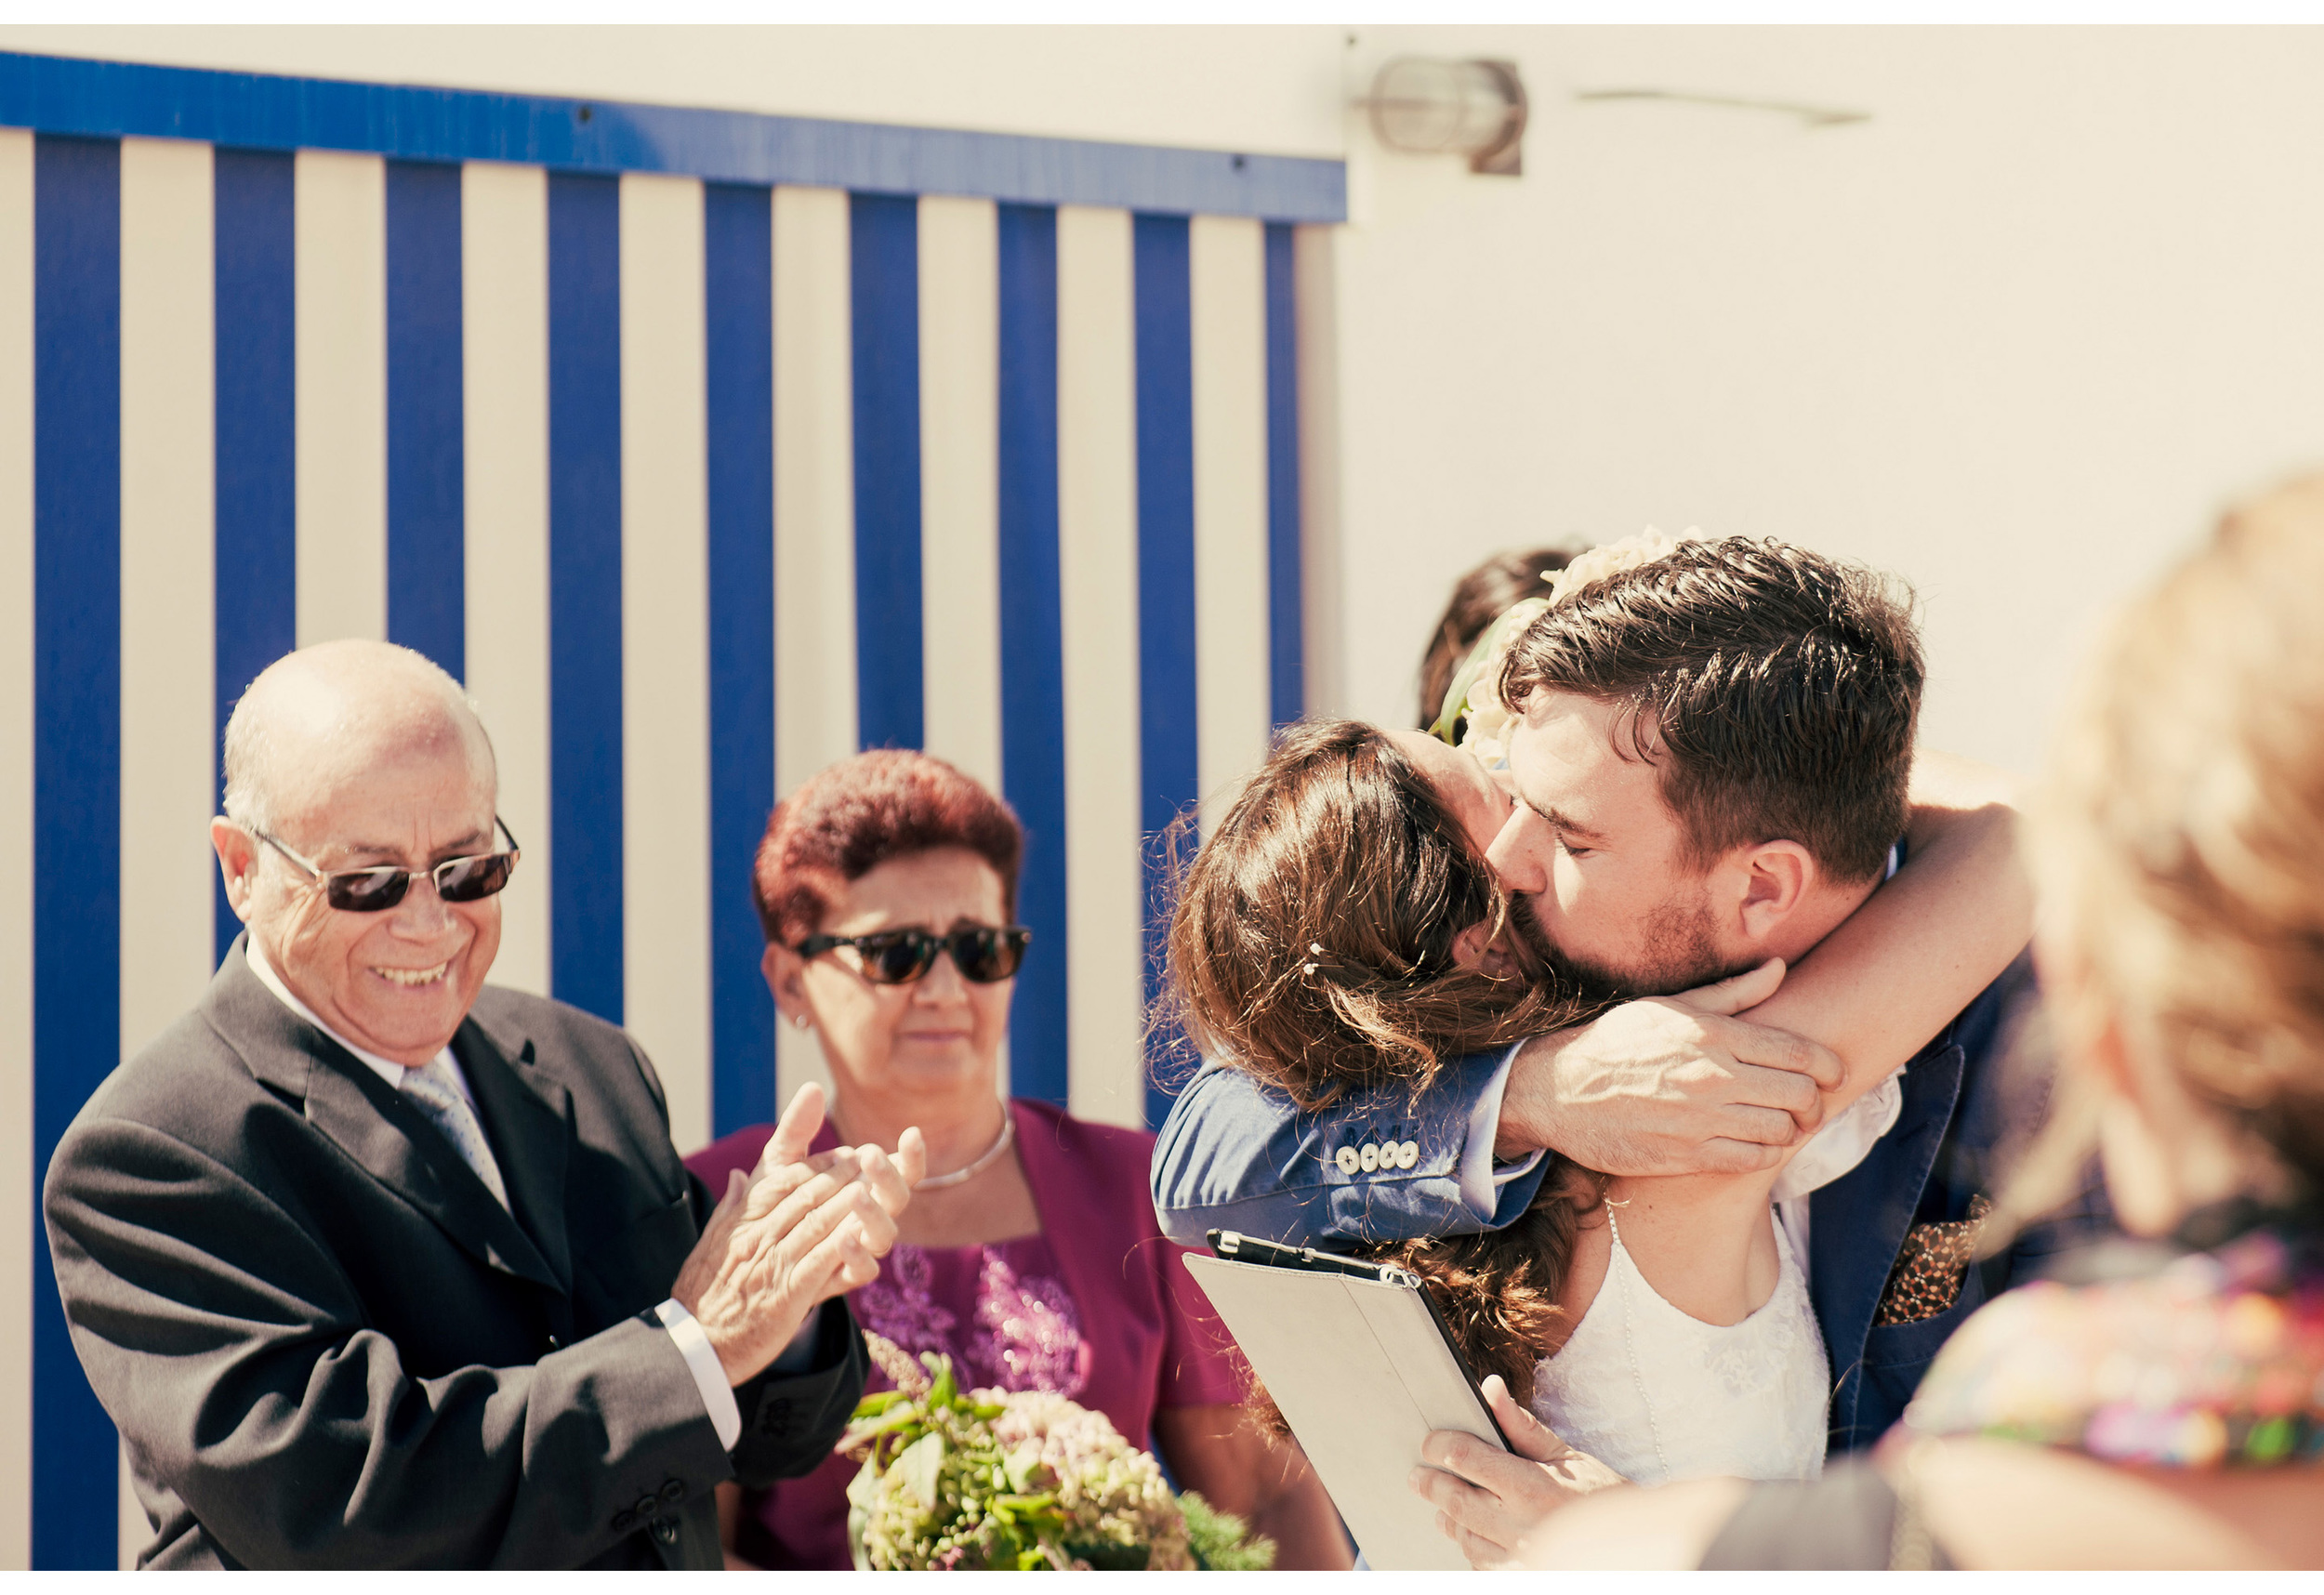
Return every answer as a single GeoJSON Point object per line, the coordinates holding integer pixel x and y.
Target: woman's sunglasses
{"type": "Point", "coordinates": [981, 953]}
{"type": "Point", "coordinates": [371, 891]}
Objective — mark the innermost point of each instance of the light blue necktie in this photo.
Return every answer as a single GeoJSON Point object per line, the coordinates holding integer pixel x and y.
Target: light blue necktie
{"type": "Point", "coordinates": [440, 1098]}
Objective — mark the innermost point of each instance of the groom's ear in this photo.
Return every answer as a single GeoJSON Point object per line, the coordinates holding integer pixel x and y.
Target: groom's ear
{"type": "Point", "coordinates": [1778, 878]}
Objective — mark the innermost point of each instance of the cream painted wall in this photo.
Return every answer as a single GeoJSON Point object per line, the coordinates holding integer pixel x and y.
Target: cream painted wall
{"type": "Point", "coordinates": [2017, 338]}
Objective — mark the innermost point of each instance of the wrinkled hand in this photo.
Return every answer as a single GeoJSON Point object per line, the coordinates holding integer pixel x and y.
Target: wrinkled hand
{"type": "Point", "coordinates": [1674, 1085]}
{"type": "Point", "coordinates": [1492, 1504]}
{"type": "Point", "coordinates": [795, 1233]}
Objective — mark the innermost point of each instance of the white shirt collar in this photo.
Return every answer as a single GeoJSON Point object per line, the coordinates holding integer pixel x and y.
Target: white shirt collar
{"type": "Point", "coordinates": [394, 1074]}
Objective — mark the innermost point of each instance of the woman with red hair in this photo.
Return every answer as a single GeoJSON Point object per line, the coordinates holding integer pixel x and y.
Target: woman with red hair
{"type": "Point", "coordinates": [887, 886]}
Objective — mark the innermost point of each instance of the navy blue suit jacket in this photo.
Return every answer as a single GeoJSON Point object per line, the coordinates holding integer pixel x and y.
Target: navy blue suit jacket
{"type": "Point", "coordinates": [1235, 1155]}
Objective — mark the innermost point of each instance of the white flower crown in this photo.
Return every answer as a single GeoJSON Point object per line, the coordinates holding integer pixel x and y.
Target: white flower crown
{"type": "Point", "coordinates": [1473, 704]}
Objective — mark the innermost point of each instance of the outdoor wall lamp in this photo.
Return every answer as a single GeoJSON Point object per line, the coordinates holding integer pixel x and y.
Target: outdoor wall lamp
{"type": "Point", "coordinates": [1431, 107]}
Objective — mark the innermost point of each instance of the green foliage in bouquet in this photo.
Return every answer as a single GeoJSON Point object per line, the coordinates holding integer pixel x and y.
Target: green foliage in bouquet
{"type": "Point", "coordinates": [1019, 1481]}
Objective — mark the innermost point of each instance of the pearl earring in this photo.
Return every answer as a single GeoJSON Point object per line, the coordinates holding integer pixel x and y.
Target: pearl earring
{"type": "Point", "coordinates": [800, 1020]}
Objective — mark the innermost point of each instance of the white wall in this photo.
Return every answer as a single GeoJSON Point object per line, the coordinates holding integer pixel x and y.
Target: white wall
{"type": "Point", "coordinates": [2017, 338]}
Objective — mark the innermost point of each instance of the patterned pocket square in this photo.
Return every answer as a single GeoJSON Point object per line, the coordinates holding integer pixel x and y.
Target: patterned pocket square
{"type": "Point", "coordinates": [1935, 1257]}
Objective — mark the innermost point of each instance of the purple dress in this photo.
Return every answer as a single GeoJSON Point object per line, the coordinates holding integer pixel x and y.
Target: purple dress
{"type": "Point", "coordinates": [1095, 1306]}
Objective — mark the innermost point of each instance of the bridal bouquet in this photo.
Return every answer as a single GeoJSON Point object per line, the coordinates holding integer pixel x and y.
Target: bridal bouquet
{"type": "Point", "coordinates": [1019, 1481]}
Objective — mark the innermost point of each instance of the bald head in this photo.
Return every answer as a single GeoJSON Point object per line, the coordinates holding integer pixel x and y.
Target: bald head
{"type": "Point", "coordinates": [360, 755]}
{"type": "Point", "coordinates": [328, 714]}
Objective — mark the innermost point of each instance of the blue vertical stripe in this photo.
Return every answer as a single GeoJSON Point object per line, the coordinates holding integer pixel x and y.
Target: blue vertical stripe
{"type": "Point", "coordinates": [738, 294]}
{"type": "Point", "coordinates": [1287, 653]}
{"type": "Point", "coordinates": [884, 274]}
{"type": "Point", "coordinates": [1168, 761]}
{"type": "Point", "coordinates": [585, 887]}
{"type": "Point", "coordinates": [76, 777]}
{"type": "Point", "coordinates": [427, 578]}
{"type": "Point", "coordinates": [1031, 642]}
{"type": "Point", "coordinates": [256, 602]}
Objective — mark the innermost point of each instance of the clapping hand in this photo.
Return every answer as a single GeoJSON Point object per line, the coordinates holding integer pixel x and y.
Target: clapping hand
{"type": "Point", "coordinates": [1492, 1503]}
{"type": "Point", "coordinates": [793, 1234]}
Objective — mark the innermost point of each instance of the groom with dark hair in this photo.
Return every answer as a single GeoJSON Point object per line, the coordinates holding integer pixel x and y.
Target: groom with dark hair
{"type": "Point", "coordinates": [1709, 757]}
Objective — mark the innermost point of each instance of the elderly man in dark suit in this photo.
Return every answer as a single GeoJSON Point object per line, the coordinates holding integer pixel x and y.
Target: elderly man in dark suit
{"type": "Point", "coordinates": [373, 1266]}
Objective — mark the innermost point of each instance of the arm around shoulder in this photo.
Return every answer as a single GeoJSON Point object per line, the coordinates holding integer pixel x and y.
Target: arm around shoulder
{"type": "Point", "coordinates": [1235, 1155]}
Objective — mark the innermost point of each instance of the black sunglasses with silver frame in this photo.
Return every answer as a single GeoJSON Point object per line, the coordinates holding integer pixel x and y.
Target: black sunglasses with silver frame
{"type": "Point", "coordinates": [374, 891]}
{"type": "Point", "coordinates": [983, 954]}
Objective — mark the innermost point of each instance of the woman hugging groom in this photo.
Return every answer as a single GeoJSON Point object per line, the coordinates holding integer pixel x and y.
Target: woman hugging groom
{"type": "Point", "coordinates": [1686, 785]}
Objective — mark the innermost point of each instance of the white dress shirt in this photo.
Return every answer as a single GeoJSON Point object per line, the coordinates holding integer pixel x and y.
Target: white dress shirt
{"type": "Point", "coordinates": [701, 1359]}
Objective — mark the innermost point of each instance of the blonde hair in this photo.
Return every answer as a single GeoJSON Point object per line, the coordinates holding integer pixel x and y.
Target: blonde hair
{"type": "Point", "coordinates": [2180, 841]}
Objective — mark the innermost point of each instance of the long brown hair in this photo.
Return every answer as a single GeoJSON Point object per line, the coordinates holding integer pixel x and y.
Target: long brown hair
{"type": "Point", "coordinates": [1312, 948]}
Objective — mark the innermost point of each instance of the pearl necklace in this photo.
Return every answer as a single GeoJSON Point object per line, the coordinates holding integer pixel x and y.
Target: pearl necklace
{"type": "Point", "coordinates": [962, 1176]}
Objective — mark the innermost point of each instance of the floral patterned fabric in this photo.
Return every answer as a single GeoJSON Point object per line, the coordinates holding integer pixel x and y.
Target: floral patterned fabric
{"type": "Point", "coordinates": [1022, 1332]}
{"type": "Point", "coordinates": [2215, 1359]}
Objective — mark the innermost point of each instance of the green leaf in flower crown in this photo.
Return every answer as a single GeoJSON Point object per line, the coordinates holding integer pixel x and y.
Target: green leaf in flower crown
{"type": "Point", "coordinates": [947, 1390]}
{"type": "Point", "coordinates": [1487, 649]}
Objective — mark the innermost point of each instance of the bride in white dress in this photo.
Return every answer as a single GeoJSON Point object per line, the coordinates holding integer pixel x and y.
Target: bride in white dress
{"type": "Point", "coordinates": [1339, 928]}
{"type": "Point", "coordinates": [1688, 1346]}
{"type": "Point", "coordinates": [1722, 1372]}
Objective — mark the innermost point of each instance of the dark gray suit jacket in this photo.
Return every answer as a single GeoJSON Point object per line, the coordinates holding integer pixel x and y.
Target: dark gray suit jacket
{"type": "Point", "coordinates": [328, 1346]}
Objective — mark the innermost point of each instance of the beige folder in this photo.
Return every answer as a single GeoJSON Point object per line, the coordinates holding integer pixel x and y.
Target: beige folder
{"type": "Point", "coordinates": [1363, 1374]}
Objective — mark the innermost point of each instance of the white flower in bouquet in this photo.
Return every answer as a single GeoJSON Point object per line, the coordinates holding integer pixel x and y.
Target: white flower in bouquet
{"type": "Point", "coordinates": [1019, 1481]}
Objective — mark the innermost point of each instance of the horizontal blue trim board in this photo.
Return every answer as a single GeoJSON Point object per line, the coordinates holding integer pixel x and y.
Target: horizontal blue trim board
{"type": "Point", "coordinates": [255, 111]}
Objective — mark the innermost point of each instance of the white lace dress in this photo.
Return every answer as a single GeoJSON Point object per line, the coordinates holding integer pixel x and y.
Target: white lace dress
{"type": "Point", "coordinates": [1657, 1395]}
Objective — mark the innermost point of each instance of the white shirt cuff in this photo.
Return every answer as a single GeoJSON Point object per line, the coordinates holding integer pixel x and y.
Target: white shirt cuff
{"type": "Point", "coordinates": [1480, 1181]}
{"type": "Point", "coordinates": [702, 1361]}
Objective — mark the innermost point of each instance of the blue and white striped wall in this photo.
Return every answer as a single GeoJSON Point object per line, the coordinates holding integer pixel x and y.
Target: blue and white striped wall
{"type": "Point", "coordinates": [705, 449]}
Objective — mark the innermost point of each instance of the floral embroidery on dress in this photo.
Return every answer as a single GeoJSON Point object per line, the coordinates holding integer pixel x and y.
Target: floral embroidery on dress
{"type": "Point", "coordinates": [905, 1310]}
{"type": "Point", "coordinates": [1028, 1335]}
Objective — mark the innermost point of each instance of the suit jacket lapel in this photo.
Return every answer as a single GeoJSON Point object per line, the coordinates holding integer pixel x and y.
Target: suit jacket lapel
{"type": "Point", "coordinates": [526, 1117]}
{"type": "Point", "coordinates": [1860, 1219]}
{"type": "Point", "coordinates": [368, 1120]}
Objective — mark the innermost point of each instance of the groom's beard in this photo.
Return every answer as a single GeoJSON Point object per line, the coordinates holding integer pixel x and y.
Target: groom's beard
{"type": "Point", "coordinates": [1682, 952]}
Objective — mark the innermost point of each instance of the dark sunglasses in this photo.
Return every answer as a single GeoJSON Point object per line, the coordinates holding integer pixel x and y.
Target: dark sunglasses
{"type": "Point", "coordinates": [981, 953]}
{"type": "Point", "coordinates": [371, 891]}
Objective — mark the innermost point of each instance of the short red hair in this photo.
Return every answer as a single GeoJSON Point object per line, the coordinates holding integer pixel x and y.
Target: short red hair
{"type": "Point", "coordinates": [847, 820]}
